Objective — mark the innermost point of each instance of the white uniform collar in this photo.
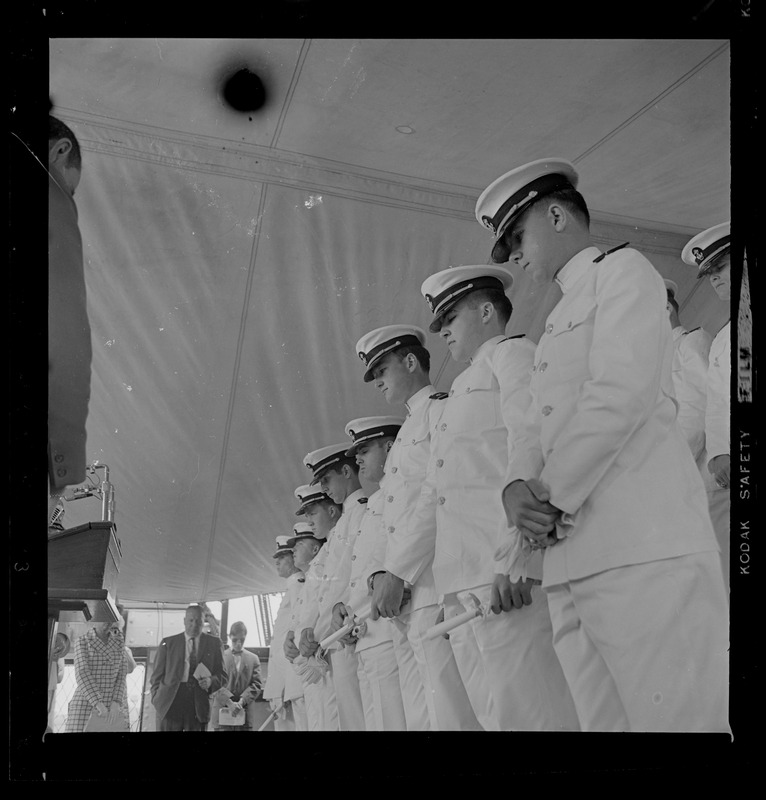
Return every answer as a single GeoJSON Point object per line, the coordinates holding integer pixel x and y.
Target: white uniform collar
{"type": "Point", "coordinates": [295, 576]}
{"type": "Point", "coordinates": [486, 347]}
{"type": "Point", "coordinates": [419, 397]}
{"type": "Point", "coordinates": [352, 498]}
{"type": "Point", "coordinates": [575, 268]}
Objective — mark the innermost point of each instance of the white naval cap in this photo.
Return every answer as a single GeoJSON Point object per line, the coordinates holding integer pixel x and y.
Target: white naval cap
{"type": "Point", "coordinates": [375, 344]}
{"type": "Point", "coordinates": [510, 194]}
{"type": "Point", "coordinates": [320, 460]}
{"type": "Point", "coordinates": [443, 289]}
{"type": "Point", "coordinates": [307, 495]}
{"type": "Point", "coordinates": [303, 530]}
{"type": "Point", "coordinates": [366, 429]}
{"type": "Point", "coordinates": [671, 286]}
{"type": "Point", "coordinates": [700, 250]}
{"type": "Point", "coordinates": [283, 546]}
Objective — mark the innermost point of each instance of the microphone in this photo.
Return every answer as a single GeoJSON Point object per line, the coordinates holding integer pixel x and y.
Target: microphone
{"type": "Point", "coordinates": [58, 512]}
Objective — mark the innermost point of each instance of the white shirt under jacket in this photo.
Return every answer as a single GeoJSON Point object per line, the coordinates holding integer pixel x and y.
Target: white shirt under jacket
{"type": "Point", "coordinates": [337, 566]}
{"type": "Point", "coordinates": [717, 413]}
{"type": "Point", "coordinates": [466, 472]}
{"type": "Point", "coordinates": [405, 472]}
{"type": "Point", "coordinates": [306, 610]}
{"type": "Point", "coordinates": [690, 367]}
{"type": "Point", "coordinates": [603, 423]}
{"type": "Point", "coordinates": [282, 682]}
{"type": "Point", "coordinates": [366, 558]}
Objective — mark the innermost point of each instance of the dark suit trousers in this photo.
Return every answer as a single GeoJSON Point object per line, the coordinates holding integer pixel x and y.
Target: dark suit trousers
{"type": "Point", "coordinates": [181, 715]}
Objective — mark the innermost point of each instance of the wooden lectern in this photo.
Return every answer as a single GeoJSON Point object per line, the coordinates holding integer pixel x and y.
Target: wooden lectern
{"type": "Point", "coordinates": [83, 565]}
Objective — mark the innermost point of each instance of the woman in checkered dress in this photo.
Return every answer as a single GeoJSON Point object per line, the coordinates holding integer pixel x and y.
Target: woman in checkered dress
{"type": "Point", "coordinates": [100, 667]}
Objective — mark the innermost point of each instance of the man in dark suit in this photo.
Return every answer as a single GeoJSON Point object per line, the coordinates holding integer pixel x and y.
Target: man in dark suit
{"type": "Point", "coordinates": [182, 701]}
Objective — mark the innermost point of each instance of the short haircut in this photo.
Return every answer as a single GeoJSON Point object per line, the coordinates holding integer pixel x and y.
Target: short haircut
{"type": "Point", "coordinates": [58, 130]}
{"type": "Point", "coordinates": [196, 607]}
{"type": "Point", "coordinates": [340, 464]}
{"type": "Point", "coordinates": [571, 199]}
{"type": "Point", "coordinates": [238, 627]}
{"type": "Point", "coordinates": [499, 300]}
{"type": "Point", "coordinates": [672, 300]}
{"type": "Point", "coordinates": [420, 352]}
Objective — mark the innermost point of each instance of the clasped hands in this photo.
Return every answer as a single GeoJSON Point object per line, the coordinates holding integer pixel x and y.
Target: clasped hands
{"type": "Point", "coordinates": [110, 713]}
{"type": "Point", "coordinates": [527, 507]}
{"type": "Point", "coordinates": [389, 594]}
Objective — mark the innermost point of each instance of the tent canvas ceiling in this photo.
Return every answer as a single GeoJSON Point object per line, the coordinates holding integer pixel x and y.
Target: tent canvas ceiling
{"type": "Point", "coordinates": [233, 260]}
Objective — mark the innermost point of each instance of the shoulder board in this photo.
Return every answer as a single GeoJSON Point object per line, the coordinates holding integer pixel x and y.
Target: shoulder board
{"type": "Point", "coordinates": [509, 338]}
{"type": "Point", "coordinates": [609, 252]}
{"type": "Point", "coordinates": [438, 396]}
{"type": "Point", "coordinates": [362, 500]}
{"type": "Point", "coordinates": [301, 580]}
{"type": "Point", "coordinates": [698, 328]}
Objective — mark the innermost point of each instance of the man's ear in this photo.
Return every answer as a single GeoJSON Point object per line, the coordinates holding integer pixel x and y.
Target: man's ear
{"type": "Point", "coordinates": [558, 216]}
{"type": "Point", "coordinates": [389, 445]}
{"type": "Point", "coordinates": [410, 362]}
{"type": "Point", "coordinates": [59, 153]}
{"type": "Point", "coordinates": [487, 312]}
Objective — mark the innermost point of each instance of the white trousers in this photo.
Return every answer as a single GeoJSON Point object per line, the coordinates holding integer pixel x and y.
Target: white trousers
{"type": "Point", "coordinates": [644, 647]}
{"type": "Point", "coordinates": [321, 705]}
{"type": "Point", "coordinates": [719, 504]}
{"type": "Point", "coordinates": [286, 722]}
{"type": "Point", "coordinates": [344, 666]}
{"type": "Point", "coordinates": [509, 668]}
{"type": "Point", "coordinates": [294, 716]}
{"type": "Point", "coordinates": [380, 690]}
{"type": "Point", "coordinates": [434, 696]}
{"type": "Point", "coordinates": [300, 720]}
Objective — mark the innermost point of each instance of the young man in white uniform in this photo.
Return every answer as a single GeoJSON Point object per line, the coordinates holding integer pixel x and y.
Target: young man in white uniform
{"type": "Point", "coordinates": [435, 699]}
{"type": "Point", "coordinates": [690, 365]}
{"type": "Point", "coordinates": [310, 553]}
{"type": "Point", "coordinates": [709, 251]}
{"type": "Point", "coordinates": [506, 660]}
{"type": "Point", "coordinates": [373, 643]}
{"type": "Point", "coordinates": [602, 478]}
{"type": "Point", "coordinates": [283, 688]}
{"type": "Point", "coordinates": [338, 477]}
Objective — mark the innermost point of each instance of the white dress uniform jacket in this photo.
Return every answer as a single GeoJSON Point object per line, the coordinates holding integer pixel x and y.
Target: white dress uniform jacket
{"type": "Point", "coordinates": [470, 444]}
{"type": "Point", "coordinates": [690, 367]}
{"type": "Point", "coordinates": [717, 412]}
{"type": "Point", "coordinates": [602, 423]}
{"type": "Point", "coordinates": [320, 701]}
{"type": "Point", "coordinates": [337, 566]}
{"type": "Point", "coordinates": [282, 683]}
{"type": "Point", "coordinates": [378, 672]}
{"type": "Point", "coordinates": [434, 695]}
{"type": "Point", "coordinates": [405, 470]}
{"type": "Point", "coordinates": [367, 557]}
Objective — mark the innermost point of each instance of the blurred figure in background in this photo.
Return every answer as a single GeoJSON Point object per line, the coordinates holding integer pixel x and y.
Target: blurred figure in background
{"type": "Point", "coordinates": [69, 343]}
{"type": "Point", "coordinates": [100, 668]}
{"type": "Point", "coordinates": [56, 673]}
{"type": "Point", "coordinates": [690, 365]}
{"type": "Point", "coordinates": [709, 251]}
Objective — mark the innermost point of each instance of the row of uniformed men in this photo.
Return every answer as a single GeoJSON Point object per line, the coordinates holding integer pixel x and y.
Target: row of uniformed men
{"type": "Point", "coordinates": [548, 503]}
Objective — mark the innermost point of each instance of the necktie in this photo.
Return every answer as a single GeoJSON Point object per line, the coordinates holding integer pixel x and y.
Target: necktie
{"type": "Point", "coordinates": [192, 658]}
